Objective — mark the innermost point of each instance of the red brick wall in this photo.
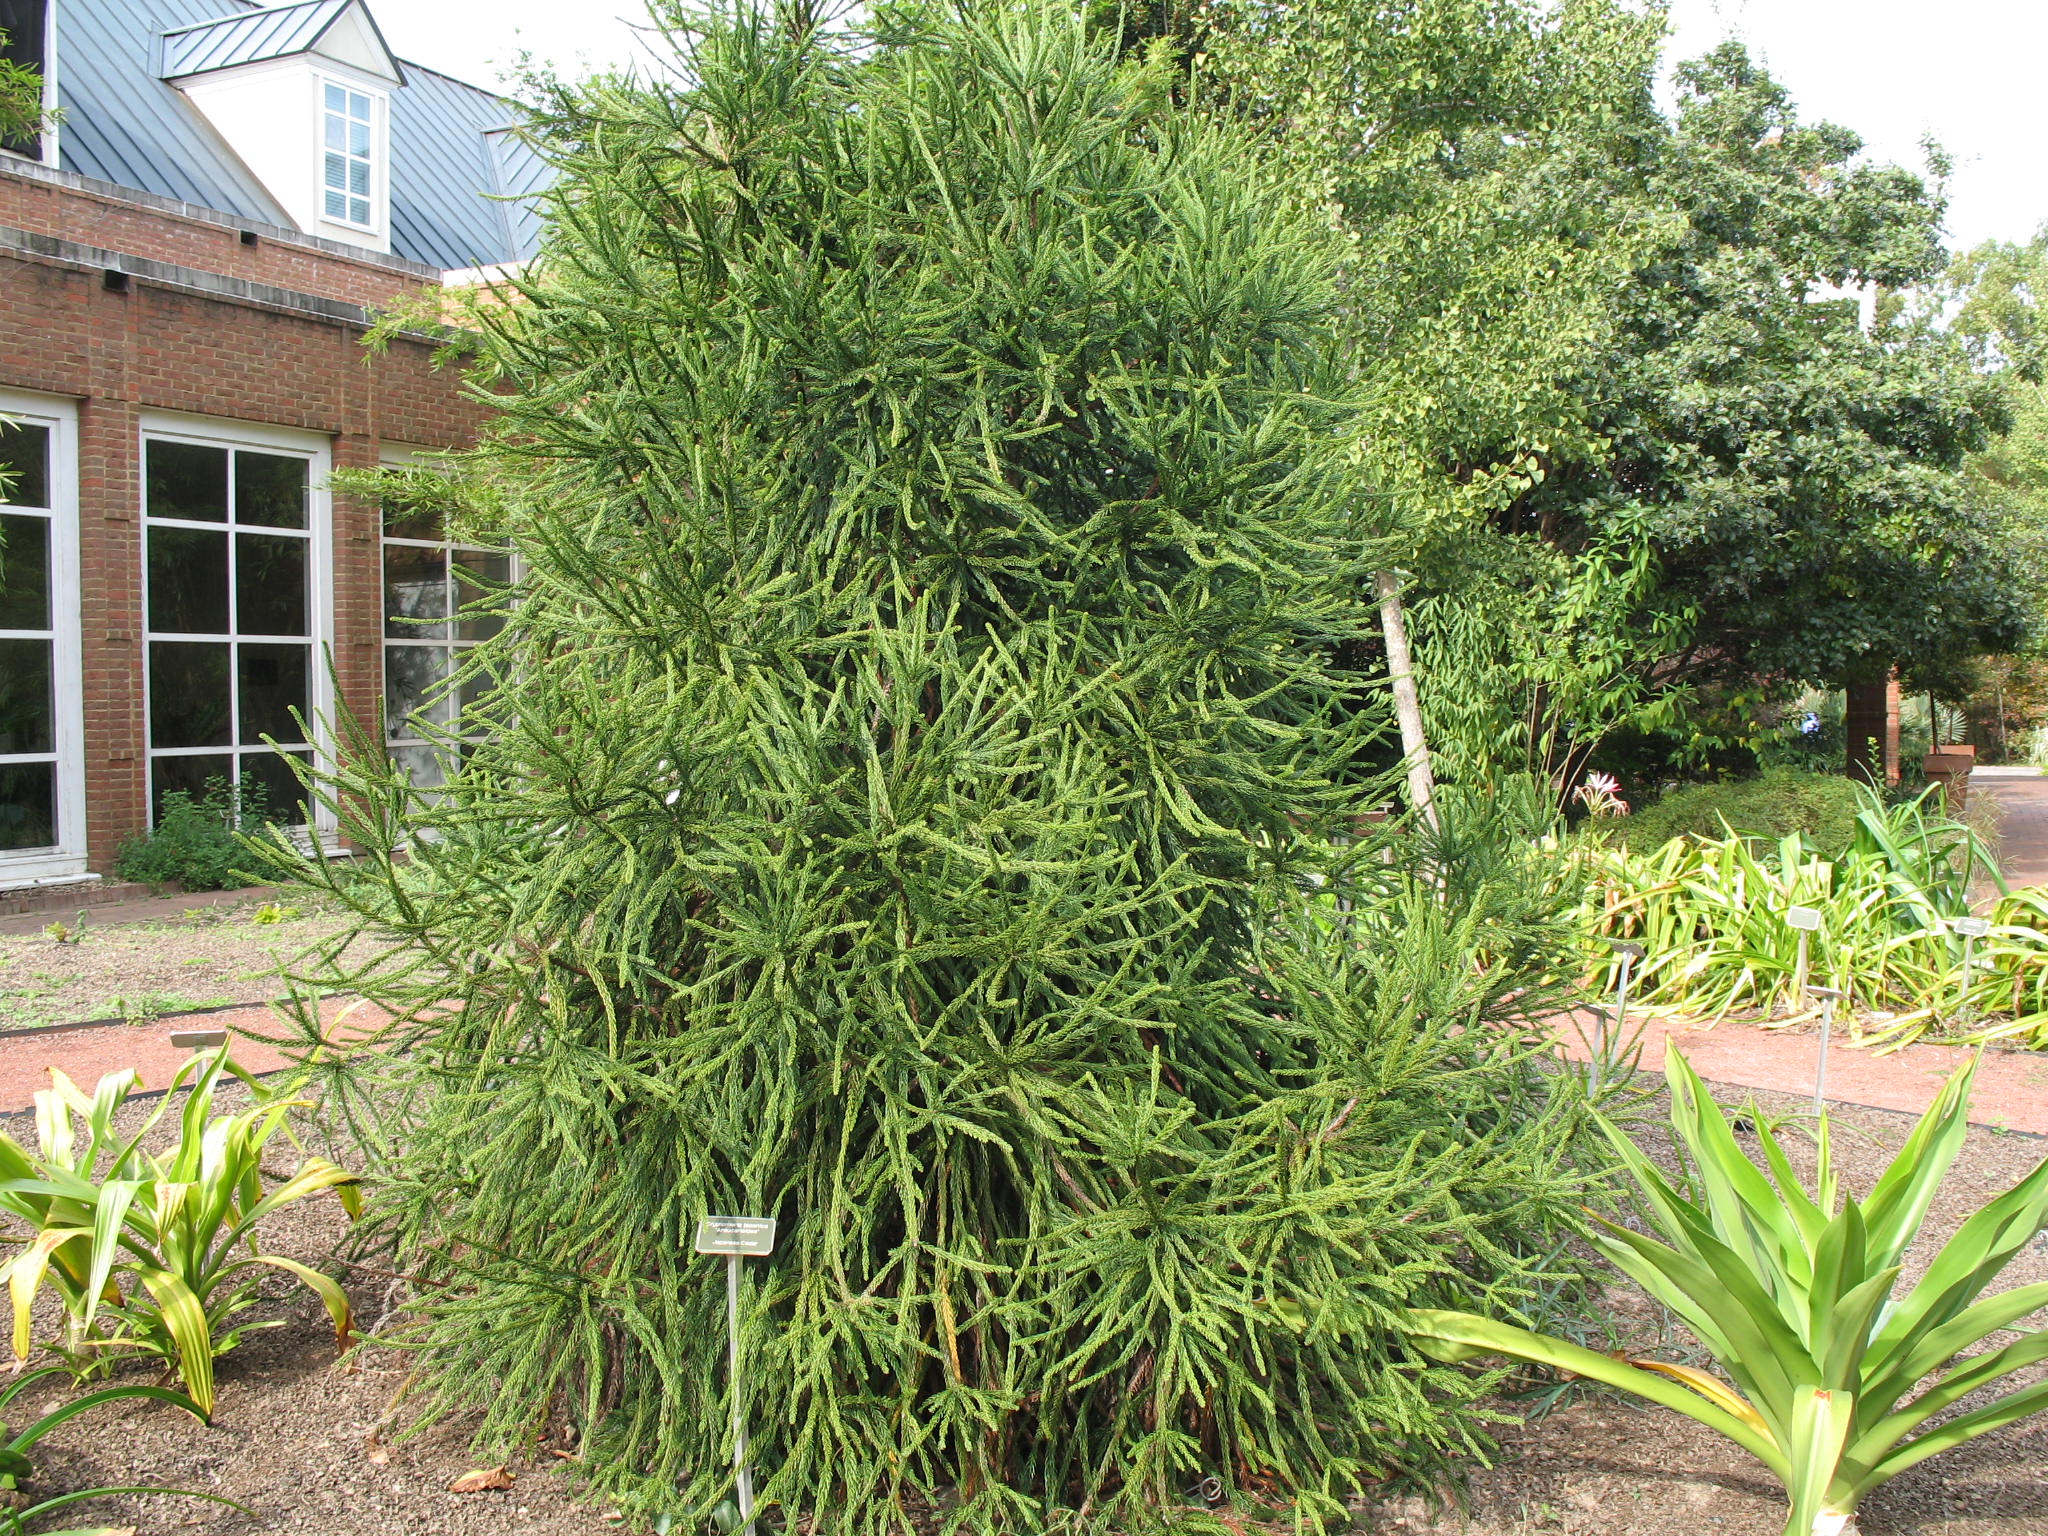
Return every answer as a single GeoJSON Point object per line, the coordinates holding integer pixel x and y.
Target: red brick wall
{"type": "Point", "coordinates": [63, 332]}
{"type": "Point", "coordinates": [90, 218]}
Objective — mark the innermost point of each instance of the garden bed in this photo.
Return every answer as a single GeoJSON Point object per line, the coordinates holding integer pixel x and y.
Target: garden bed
{"type": "Point", "coordinates": [312, 1444]}
{"type": "Point", "coordinates": [207, 957]}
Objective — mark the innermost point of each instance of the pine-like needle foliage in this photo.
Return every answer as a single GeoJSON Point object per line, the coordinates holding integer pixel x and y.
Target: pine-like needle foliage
{"type": "Point", "coordinates": [930, 463]}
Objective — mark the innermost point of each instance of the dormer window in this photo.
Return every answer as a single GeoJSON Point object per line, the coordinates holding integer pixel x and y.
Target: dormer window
{"type": "Point", "coordinates": [301, 92]}
{"type": "Point", "coordinates": [347, 167]}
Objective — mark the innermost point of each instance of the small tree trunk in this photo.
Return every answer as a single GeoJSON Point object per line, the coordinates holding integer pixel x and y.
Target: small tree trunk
{"type": "Point", "coordinates": [1407, 703]}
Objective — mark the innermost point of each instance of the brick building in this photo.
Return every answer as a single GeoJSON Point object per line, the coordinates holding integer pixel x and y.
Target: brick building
{"type": "Point", "coordinates": [188, 257]}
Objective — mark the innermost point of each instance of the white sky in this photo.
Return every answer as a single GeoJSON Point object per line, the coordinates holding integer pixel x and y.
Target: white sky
{"type": "Point", "coordinates": [1968, 71]}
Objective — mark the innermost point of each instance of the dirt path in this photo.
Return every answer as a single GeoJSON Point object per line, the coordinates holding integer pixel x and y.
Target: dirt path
{"type": "Point", "coordinates": [2023, 838]}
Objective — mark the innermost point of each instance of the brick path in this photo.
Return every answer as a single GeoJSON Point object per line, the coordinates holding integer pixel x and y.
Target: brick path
{"type": "Point", "coordinates": [84, 1055]}
{"type": "Point", "coordinates": [2011, 1090]}
{"type": "Point", "coordinates": [2023, 839]}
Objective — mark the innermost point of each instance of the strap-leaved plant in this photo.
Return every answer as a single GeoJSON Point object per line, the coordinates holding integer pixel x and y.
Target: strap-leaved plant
{"type": "Point", "coordinates": [931, 463]}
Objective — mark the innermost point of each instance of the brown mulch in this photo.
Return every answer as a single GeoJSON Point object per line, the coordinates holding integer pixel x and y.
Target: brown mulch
{"type": "Point", "coordinates": [312, 1444]}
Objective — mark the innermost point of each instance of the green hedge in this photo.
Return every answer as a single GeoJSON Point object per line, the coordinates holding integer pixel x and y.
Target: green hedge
{"type": "Point", "coordinates": [1777, 802]}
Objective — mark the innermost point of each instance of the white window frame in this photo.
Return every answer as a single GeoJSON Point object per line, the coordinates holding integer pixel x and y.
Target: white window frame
{"type": "Point", "coordinates": [379, 157]}
{"type": "Point", "coordinates": [317, 449]}
{"type": "Point", "coordinates": [401, 456]}
{"type": "Point", "coordinates": [66, 859]}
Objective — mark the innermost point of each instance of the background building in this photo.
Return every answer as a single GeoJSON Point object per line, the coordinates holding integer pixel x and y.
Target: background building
{"type": "Point", "coordinates": [188, 260]}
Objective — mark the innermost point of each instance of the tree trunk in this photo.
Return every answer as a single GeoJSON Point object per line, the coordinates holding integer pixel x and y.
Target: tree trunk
{"type": "Point", "coordinates": [1870, 719]}
{"type": "Point", "coordinates": [1407, 703]}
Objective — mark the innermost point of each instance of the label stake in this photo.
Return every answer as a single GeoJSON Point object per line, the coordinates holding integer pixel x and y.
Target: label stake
{"type": "Point", "coordinates": [737, 1238]}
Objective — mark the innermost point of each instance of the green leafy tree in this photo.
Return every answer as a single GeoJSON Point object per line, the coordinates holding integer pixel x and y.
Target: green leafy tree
{"type": "Point", "coordinates": [934, 461]}
{"type": "Point", "coordinates": [1797, 477]}
{"type": "Point", "coordinates": [1479, 155]}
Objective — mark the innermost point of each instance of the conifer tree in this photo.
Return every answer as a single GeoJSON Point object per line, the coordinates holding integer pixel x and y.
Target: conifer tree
{"type": "Point", "coordinates": [910, 811]}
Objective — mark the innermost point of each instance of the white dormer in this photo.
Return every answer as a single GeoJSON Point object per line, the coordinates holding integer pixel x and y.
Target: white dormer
{"type": "Point", "coordinates": [302, 94]}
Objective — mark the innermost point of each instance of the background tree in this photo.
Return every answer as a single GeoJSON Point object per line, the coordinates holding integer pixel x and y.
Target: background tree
{"type": "Point", "coordinates": [1796, 478]}
{"type": "Point", "coordinates": [935, 466]}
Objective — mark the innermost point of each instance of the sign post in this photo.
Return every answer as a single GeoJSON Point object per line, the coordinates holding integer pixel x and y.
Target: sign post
{"type": "Point", "coordinates": [1972, 929]}
{"type": "Point", "coordinates": [737, 1238]}
{"type": "Point", "coordinates": [1802, 921]}
{"type": "Point", "coordinates": [1828, 998]}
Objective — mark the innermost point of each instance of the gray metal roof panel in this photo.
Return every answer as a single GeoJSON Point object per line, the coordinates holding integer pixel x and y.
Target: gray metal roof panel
{"type": "Point", "coordinates": [247, 37]}
{"type": "Point", "coordinates": [125, 125]}
{"type": "Point", "coordinates": [122, 124]}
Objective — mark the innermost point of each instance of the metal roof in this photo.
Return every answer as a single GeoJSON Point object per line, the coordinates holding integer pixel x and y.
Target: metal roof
{"type": "Point", "coordinates": [125, 124]}
{"type": "Point", "coordinates": [248, 37]}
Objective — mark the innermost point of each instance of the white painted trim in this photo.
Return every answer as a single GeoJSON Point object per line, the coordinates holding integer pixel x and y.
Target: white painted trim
{"type": "Point", "coordinates": [318, 450]}
{"type": "Point", "coordinates": [379, 227]}
{"type": "Point", "coordinates": [67, 859]}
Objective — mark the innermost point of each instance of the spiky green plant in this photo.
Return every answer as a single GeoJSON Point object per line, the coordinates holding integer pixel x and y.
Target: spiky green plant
{"type": "Point", "coordinates": [931, 462]}
{"type": "Point", "coordinates": [1835, 1383]}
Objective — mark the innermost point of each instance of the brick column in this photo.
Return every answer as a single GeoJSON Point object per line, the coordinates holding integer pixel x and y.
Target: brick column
{"type": "Point", "coordinates": [110, 570]}
{"type": "Point", "coordinates": [1870, 720]}
{"type": "Point", "coordinates": [358, 590]}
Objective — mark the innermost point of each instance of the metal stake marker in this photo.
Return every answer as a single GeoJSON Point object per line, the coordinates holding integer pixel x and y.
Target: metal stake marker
{"type": "Point", "coordinates": [1972, 929]}
{"type": "Point", "coordinates": [1802, 921]}
{"type": "Point", "coordinates": [1828, 998]}
{"type": "Point", "coordinates": [737, 1237]}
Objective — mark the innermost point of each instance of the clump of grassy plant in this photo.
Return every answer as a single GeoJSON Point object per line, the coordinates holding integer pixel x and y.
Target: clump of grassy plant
{"type": "Point", "coordinates": [153, 1253]}
{"type": "Point", "coordinates": [1710, 915]}
{"type": "Point", "coordinates": [1834, 1383]}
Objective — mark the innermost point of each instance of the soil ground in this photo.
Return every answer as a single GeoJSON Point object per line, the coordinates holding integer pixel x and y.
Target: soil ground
{"type": "Point", "coordinates": [312, 1444]}
{"type": "Point", "coordinates": [204, 957]}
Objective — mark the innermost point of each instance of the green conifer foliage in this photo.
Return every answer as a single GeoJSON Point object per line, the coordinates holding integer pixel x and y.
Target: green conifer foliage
{"type": "Point", "coordinates": [932, 467]}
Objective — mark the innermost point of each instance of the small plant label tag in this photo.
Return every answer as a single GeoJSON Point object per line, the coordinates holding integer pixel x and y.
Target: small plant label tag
{"type": "Point", "coordinates": [1628, 949]}
{"type": "Point", "coordinates": [1972, 927]}
{"type": "Point", "coordinates": [1803, 919]}
{"type": "Point", "coordinates": [750, 1237]}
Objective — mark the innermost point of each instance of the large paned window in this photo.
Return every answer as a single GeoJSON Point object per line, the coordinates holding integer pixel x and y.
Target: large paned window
{"type": "Point", "coordinates": [348, 154]}
{"type": "Point", "coordinates": [428, 582]}
{"type": "Point", "coordinates": [231, 615]}
{"type": "Point", "coordinates": [42, 831]}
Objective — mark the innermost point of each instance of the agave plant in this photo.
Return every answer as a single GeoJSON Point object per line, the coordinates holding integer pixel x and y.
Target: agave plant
{"type": "Point", "coordinates": [1832, 1381]}
{"type": "Point", "coordinates": [180, 1227]}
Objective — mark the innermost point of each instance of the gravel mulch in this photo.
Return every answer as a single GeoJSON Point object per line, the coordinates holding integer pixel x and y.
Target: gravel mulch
{"type": "Point", "coordinates": [308, 1443]}
{"type": "Point", "coordinates": [210, 957]}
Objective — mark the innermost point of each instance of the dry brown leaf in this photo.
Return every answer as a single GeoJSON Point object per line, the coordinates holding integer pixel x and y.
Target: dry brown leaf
{"type": "Point", "coordinates": [379, 1456]}
{"type": "Point", "coordinates": [483, 1480]}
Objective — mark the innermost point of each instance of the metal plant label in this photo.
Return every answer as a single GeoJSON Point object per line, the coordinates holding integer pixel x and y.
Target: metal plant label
{"type": "Point", "coordinates": [1803, 919]}
{"type": "Point", "coordinates": [750, 1237]}
{"type": "Point", "coordinates": [1972, 927]}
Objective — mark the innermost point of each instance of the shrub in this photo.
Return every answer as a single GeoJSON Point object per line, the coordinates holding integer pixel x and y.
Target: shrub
{"type": "Point", "coordinates": [194, 842]}
{"type": "Point", "coordinates": [1777, 803]}
{"type": "Point", "coordinates": [1791, 1291]}
{"type": "Point", "coordinates": [179, 1229]}
{"type": "Point", "coordinates": [931, 463]}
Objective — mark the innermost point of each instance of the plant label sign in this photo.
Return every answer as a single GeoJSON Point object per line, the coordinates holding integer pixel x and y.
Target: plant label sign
{"type": "Point", "coordinates": [1628, 949]}
{"type": "Point", "coordinates": [751, 1237]}
{"type": "Point", "coordinates": [1972, 927]}
{"type": "Point", "coordinates": [1803, 919]}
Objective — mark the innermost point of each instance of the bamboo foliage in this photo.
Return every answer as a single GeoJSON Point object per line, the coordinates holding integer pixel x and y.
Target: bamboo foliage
{"type": "Point", "coordinates": [931, 462]}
